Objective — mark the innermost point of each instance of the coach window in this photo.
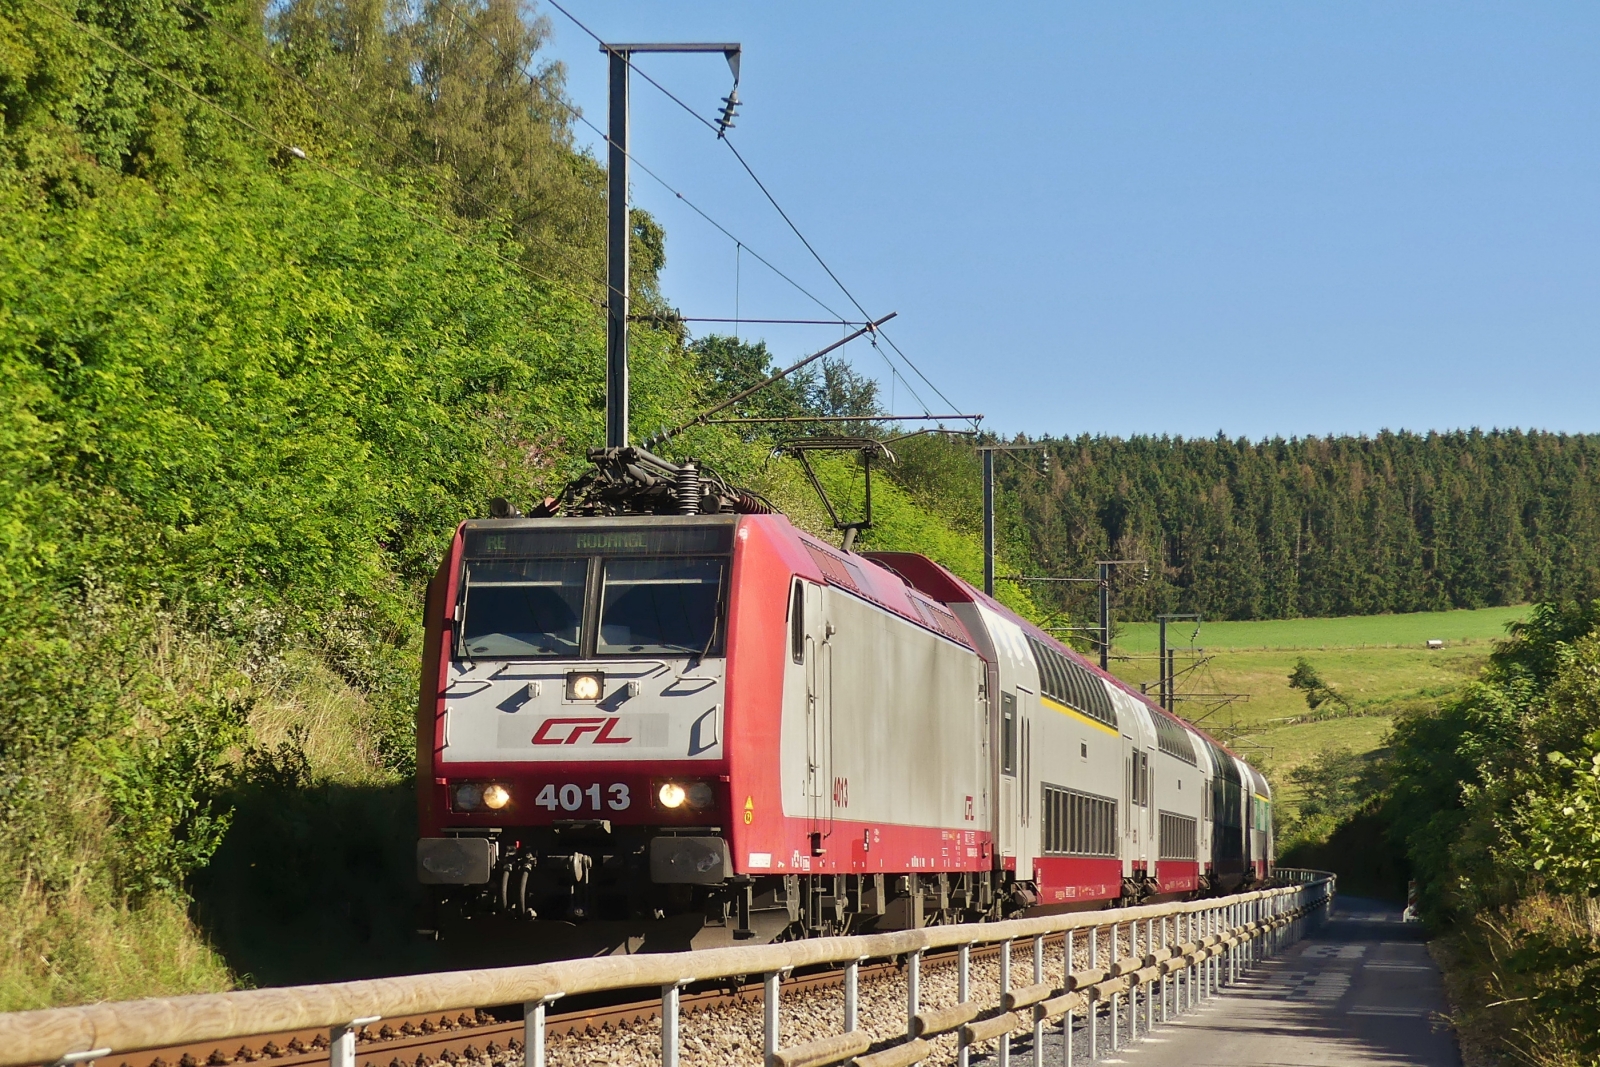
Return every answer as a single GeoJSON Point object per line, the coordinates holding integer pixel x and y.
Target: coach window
{"type": "Point", "coordinates": [1008, 733]}
{"type": "Point", "coordinates": [797, 624]}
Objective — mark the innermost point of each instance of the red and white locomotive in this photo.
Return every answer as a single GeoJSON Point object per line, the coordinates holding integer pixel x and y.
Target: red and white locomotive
{"type": "Point", "coordinates": [720, 723]}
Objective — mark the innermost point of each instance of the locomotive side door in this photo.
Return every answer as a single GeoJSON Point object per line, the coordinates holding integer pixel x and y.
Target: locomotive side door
{"type": "Point", "coordinates": [819, 713]}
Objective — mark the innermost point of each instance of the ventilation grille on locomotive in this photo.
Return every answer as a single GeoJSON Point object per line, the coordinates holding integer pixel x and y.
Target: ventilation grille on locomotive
{"type": "Point", "coordinates": [1079, 824]}
{"type": "Point", "coordinates": [1068, 683]}
{"type": "Point", "coordinates": [1177, 836]}
{"type": "Point", "coordinates": [1174, 739]}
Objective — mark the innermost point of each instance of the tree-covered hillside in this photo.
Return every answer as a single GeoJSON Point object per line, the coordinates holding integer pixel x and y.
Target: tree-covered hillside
{"type": "Point", "coordinates": [1400, 522]}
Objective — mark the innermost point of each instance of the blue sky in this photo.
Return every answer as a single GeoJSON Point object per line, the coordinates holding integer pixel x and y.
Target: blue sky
{"type": "Point", "coordinates": [1264, 219]}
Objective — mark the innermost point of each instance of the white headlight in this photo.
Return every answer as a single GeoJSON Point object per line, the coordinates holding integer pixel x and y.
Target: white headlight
{"type": "Point", "coordinates": [496, 796]}
{"type": "Point", "coordinates": [585, 686]}
{"type": "Point", "coordinates": [671, 795]}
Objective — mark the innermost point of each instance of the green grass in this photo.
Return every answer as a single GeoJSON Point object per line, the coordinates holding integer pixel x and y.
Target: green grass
{"type": "Point", "coordinates": [1452, 627]}
{"type": "Point", "coordinates": [1377, 663]}
{"type": "Point", "coordinates": [1373, 680]}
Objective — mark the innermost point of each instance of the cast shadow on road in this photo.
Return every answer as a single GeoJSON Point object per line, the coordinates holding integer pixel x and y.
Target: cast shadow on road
{"type": "Point", "coordinates": [317, 883]}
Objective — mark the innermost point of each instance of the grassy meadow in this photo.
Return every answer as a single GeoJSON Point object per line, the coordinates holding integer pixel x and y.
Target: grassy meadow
{"type": "Point", "coordinates": [1359, 631]}
{"type": "Point", "coordinates": [1379, 664]}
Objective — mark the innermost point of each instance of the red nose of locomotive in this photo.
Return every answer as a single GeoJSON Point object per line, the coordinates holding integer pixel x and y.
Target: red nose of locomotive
{"type": "Point", "coordinates": [578, 763]}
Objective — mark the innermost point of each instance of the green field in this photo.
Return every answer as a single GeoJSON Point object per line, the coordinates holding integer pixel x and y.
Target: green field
{"type": "Point", "coordinates": [1452, 627]}
{"type": "Point", "coordinates": [1235, 682]}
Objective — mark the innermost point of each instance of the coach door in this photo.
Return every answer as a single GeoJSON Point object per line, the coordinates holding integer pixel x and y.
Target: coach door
{"type": "Point", "coordinates": [1009, 752]}
{"type": "Point", "coordinates": [1028, 792]}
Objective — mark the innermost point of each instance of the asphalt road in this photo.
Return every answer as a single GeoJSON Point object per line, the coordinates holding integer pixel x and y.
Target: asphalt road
{"type": "Point", "coordinates": [1359, 990]}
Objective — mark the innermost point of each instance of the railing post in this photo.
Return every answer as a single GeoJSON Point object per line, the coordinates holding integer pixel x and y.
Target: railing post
{"type": "Point", "coordinates": [1216, 961]}
{"type": "Point", "coordinates": [1242, 964]}
{"type": "Point", "coordinates": [1218, 917]}
{"type": "Point", "coordinates": [1149, 949]}
{"type": "Point", "coordinates": [1003, 1051]}
{"type": "Point", "coordinates": [1230, 924]}
{"type": "Point", "coordinates": [669, 1022]}
{"type": "Point", "coordinates": [1179, 977]}
{"type": "Point", "coordinates": [533, 1030]}
{"type": "Point", "coordinates": [1093, 1009]}
{"type": "Point", "coordinates": [769, 1016]}
{"type": "Point", "coordinates": [852, 988]}
{"type": "Point", "coordinates": [1136, 989]}
{"type": "Point", "coordinates": [913, 991]}
{"type": "Point", "coordinates": [342, 1041]}
{"type": "Point", "coordinates": [1162, 981]}
{"type": "Point", "coordinates": [963, 991]}
{"type": "Point", "coordinates": [1066, 1022]}
{"type": "Point", "coordinates": [1133, 990]}
{"type": "Point", "coordinates": [1208, 987]}
{"type": "Point", "coordinates": [1116, 999]}
{"type": "Point", "coordinates": [1189, 922]}
{"type": "Point", "coordinates": [1038, 1022]}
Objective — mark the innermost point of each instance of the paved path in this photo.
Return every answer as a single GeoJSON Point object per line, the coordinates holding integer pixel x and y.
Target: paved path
{"type": "Point", "coordinates": [1359, 991]}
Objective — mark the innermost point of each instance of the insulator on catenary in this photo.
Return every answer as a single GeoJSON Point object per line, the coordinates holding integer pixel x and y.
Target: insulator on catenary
{"type": "Point", "coordinates": [688, 488]}
{"type": "Point", "coordinates": [746, 504]}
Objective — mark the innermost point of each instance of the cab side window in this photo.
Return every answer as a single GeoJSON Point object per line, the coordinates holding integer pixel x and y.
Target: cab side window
{"type": "Point", "coordinates": [797, 624]}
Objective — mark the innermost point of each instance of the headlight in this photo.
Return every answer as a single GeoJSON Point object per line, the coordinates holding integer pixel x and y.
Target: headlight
{"type": "Point", "coordinates": [694, 795]}
{"type": "Point", "coordinates": [479, 796]}
{"type": "Point", "coordinates": [585, 685]}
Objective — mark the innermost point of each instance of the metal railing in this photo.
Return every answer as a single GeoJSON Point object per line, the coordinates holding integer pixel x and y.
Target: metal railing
{"type": "Point", "coordinates": [1175, 955]}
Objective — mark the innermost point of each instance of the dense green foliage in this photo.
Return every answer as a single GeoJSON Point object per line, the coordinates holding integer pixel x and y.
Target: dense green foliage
{"type": "Point", "coordinates": [1492, 800]}
{"type": "Point", "coordinates": [1318, 526]}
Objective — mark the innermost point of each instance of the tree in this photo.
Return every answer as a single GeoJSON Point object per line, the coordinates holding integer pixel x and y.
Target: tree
{"type": "Point", "coordinates": [1318, 692]}
{"type": "Point", "coordinates": [829, 387]}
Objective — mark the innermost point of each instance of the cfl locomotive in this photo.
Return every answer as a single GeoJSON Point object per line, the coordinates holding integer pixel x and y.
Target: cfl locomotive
{"type": "Point", "coordinates": [713, 722]}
